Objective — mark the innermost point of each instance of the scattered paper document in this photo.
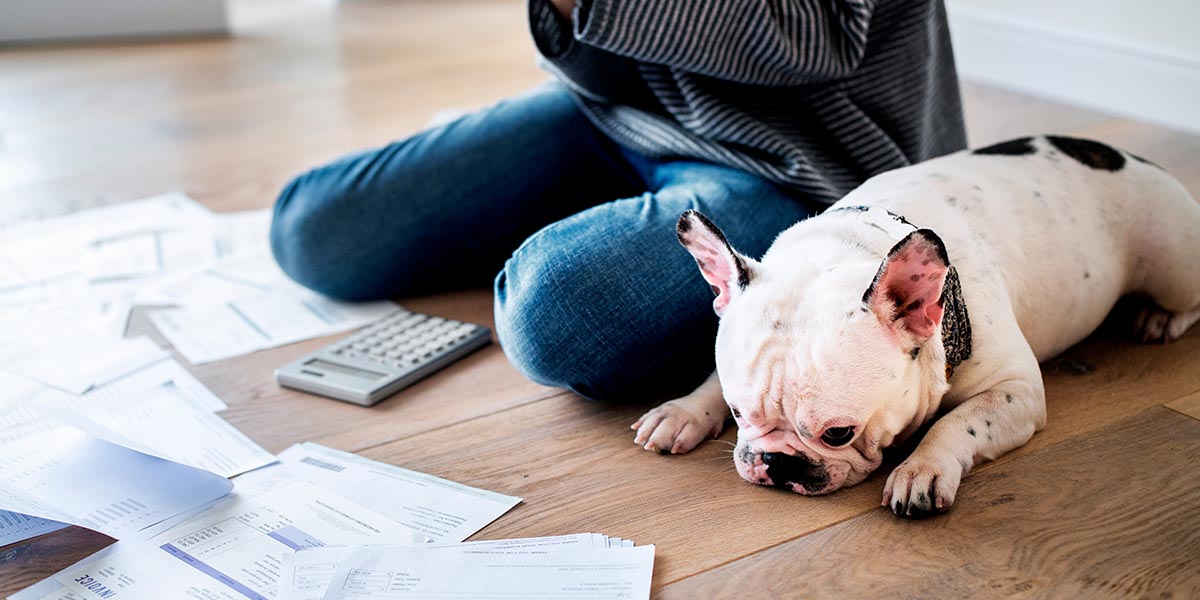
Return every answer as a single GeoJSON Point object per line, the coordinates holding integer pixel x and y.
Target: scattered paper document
{"type": "Point", "coordinates": [15, 527]}
{"type": "Point", "coordinates": [67, 284]}
{"type": "Point", "coordinates": [234, 550]}
{"type": "Point", "coordinates": [235, 278]}
{"type": "Point", "coordinates": [307, 574]}
{"type": "Point", "coordinates": [50, 588]}
{"type": "Point", "coordinates": [247, 305]}
{"type": "Point", "coordinates": [63, 347]}
{"type": "Point", "coordinates": [487, 570]}
{"type": "Point", "coordinates": [448, 511]}
{"type": "Point", "coordinates": [443, 510]}
{"type": "Point", "coordinates": [77, 244]}
{"type": "Point", "coordinates": [157, 408]}
{"type": "Point", "coordinates": [55, 471]}
{"type": "Point", "coordinates": [218, 332]}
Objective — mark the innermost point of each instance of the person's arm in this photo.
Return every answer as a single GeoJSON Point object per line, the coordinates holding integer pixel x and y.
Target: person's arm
{"type": "Point", "coordinates": [564, 8]}
{"type": "Point", "coordinates": [772, 42]}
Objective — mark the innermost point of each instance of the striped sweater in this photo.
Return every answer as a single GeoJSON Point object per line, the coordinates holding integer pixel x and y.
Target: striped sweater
{"type": "Point", "coordinates": [817, 95]}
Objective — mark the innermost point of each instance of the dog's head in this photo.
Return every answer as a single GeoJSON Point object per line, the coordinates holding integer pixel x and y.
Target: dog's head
{"type": "Point", "coordinates": [825, 355]}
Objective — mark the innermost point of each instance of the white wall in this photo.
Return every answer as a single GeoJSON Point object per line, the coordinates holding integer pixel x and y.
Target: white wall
{"type": "Point", "coordinates": [1135, 58]}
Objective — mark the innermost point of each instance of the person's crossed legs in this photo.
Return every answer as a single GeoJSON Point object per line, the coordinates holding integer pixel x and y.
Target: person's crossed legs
{"type": "Point", "coordinates": [607, 303]}
{"type": "Point", "coordinates": [600, 298]}
{"type": "Point", "coordinates": [442, 209]}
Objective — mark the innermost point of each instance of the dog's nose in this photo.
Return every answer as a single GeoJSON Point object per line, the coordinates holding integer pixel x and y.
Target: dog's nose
{"type": "Point", "coordinates": [786, 469]}
{"type": "Point", "coordinates": [836, 437]}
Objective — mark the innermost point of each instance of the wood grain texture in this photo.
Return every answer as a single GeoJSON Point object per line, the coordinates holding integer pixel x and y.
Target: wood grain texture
{"type": "Point", "coordinates": [230, 120]}
{"type": "Point", "coordinates": [1188, 405]}
{"type": "Point", "coordinates": [1047, 525]}
{"type": "Point", "coordinates": [22, 565]}
{"type": "Point", "coordinates": [578, 470]}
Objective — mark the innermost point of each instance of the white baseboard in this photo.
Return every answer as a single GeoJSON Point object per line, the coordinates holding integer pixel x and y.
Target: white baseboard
{"type": "Point", "coordinates": [1118, 76]}
{"type": "Point", "coordinates": [55, 20]}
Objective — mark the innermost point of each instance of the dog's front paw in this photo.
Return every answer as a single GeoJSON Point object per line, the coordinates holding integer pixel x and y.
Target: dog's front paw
{"type": "Point", "coordinates": [678, 426]}
{"type": "Point", "coordinates": [922, 486]}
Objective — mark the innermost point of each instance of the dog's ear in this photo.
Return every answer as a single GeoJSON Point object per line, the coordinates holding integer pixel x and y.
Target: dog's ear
{"type": "Point", "coordinates": [907, 289]}
{"type": "Point", "coordinates": [723, 268]}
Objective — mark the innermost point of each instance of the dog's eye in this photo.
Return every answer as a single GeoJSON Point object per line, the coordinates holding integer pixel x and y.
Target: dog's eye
{"type": "Point", "coordinates": [737, 414]}
{"type": "Point", "coordinates": [837, 436]}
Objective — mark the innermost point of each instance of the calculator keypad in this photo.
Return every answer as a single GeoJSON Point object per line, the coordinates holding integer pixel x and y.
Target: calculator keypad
{"type": "Point", "coordinates": [404, 340]}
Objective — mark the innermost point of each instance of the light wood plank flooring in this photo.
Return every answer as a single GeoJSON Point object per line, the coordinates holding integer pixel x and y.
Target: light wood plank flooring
{"type": "Point", "coordinates": [1102, 503]}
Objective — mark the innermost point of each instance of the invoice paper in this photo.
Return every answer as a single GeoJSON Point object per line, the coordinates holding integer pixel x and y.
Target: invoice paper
{"type": "Point", "coordinates": [233, 551]}
{"type": "Point", "coordinates": [15, 527]}
{"type": "Point", "coordinates": [443, 510]}
{"type": "Point", "coordinates": [159, 409]}
{"type": "Point", "coordinates": [56, 471]}
{"type": "Point", "coordinates": [68, 245]}
{"type": "Point", "coordinates": [307, 574]}
{"type": "Point", "coordinates": [247, 304]}
{"type": "Point", "coordinates": [446, 509]}
{"type": "Point", "coordinates": [63, 346]}
{"type": "Point", "coordinates": [67, 283]}
{"type": "Point", "coordinates": [462, 571]}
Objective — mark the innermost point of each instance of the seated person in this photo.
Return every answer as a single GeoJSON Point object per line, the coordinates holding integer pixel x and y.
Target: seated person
{"type": "Point", "coordinates": [758, 114]}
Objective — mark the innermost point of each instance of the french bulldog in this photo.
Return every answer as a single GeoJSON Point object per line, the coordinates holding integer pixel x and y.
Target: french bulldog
{"type": "Point", "coordinates": [931, 289]}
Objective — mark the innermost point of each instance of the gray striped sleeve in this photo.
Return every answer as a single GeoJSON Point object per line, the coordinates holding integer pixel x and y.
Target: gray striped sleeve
{"type": "Point", "coordinates": [816, 95]}
{"type": "Point", "coordinates": [774, 42]}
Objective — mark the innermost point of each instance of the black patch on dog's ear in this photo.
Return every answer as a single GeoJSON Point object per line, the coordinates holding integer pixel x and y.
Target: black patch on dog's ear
{"type": "Point", "coordinates": [1091, 154]}
{"type": "Point", "coordinates": [1017, 147]}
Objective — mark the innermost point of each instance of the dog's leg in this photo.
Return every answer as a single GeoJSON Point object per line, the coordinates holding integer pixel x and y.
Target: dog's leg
{"type": "Point", "coordinates": [1166, 247]}
{"type": "Point", "coordinates": [982, 428]}
{"type": "Point", "coordinates": [1156, 324]}
{"type": "Point", "coordinates": [680, 425]}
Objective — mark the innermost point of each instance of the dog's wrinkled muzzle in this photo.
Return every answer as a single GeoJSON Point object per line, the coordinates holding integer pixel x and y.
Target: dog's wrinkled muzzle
{"type": "Point", "coordinates": [786, 471]}
{"type": "Point", "coordinates": [795, 473]}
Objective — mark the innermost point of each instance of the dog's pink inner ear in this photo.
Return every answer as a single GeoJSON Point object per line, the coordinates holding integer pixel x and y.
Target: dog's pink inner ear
{"type": "Point", "coordinates": [908, 287]}
{"type": "Point", "coordinates": [717, 260]}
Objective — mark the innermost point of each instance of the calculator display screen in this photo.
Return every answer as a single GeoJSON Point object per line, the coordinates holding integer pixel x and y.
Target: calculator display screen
{"type": "Point", "coordinates": [343, 369]}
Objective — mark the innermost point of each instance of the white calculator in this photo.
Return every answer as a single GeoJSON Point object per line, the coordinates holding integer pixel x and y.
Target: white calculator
{"type": "Point", "coordinates": [389, 355]}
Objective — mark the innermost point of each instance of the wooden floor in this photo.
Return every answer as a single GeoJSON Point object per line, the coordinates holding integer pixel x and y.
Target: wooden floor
{"type": "Point", "coordinates": [1105, 502]}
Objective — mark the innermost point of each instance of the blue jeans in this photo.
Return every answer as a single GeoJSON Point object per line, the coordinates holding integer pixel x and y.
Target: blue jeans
{"type": "Point", "coordinates": [594, 293]}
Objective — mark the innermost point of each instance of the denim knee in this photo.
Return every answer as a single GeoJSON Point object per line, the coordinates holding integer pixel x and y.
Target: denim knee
{"type": "Point", "coordinates": [567, 317]}
{"type": "Point", "coordinates": [305, 240]}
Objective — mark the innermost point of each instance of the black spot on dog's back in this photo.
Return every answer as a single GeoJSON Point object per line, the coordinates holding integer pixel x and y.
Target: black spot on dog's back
{"type": "Point", "coordinates": [1017, 147]}
{"type": "Point", "coordinates": [1091, 154]}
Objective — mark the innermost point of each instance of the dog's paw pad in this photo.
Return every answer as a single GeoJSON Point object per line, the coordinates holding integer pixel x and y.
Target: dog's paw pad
{"type": "Point", "coordinates": [1155, 324]}
{"type": "Point", "coordinates": [1150, 324]}
{"type": "Point", "coordinates": [918, 489]}
{"type": "Point", "coordinates": [672, 428]}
